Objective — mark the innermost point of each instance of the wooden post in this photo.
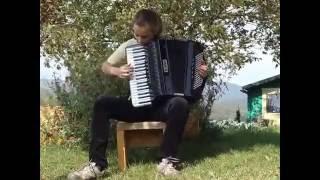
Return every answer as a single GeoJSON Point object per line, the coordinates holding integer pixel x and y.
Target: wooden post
{"type": "Point", "coordinates": [122, 151]}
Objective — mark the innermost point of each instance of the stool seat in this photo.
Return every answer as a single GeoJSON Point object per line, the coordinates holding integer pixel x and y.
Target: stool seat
{"type": "Point", "coordinates": [140, 125]}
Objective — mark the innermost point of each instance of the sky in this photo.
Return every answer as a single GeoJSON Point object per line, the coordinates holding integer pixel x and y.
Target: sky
{"type": "Point", "coordinates": [47, 73]}
{"type": "Point", "coordinates": [256, 71]}
{"type": "Point", "coordinates": [253, 72]}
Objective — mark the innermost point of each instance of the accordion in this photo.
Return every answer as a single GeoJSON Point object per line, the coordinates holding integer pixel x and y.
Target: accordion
{"type": "Point", "coordinates": [164, 68]}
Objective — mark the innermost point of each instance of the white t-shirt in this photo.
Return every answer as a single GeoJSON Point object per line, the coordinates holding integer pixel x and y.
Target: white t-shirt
{"type": "Point", "coordinates": [118, 57]}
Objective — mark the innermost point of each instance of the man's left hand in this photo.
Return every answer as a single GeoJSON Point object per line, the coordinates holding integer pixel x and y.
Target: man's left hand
{"type": "Point", "coordinates": [203, 70]}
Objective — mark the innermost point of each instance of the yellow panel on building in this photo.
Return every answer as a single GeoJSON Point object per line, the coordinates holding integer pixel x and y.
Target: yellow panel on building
{"type": "Point", "coordinates": [272, 114]}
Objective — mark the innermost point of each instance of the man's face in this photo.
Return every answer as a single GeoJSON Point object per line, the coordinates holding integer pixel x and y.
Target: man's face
{"type": "Point", "coordinates": [142, 34]}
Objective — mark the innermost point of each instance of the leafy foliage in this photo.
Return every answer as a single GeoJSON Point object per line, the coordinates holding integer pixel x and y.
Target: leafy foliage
{"type": "Point", "coordinates": [54, 128]}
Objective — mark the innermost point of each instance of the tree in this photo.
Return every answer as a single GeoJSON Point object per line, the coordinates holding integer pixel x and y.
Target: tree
{"type": "Point", "coordinates": [50, 13]}
{"type": "Point", "coordinates": [81, 35]}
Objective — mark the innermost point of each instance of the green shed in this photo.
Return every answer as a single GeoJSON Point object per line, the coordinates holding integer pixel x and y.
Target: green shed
{"type": "Point", "coordinates": [264, 99]}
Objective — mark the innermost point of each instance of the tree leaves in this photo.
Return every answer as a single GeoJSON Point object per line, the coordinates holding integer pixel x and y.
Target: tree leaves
{"type": "Point", "coordinates": [82, 34]}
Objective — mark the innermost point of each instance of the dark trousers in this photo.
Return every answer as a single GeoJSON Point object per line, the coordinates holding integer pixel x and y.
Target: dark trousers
{"type": "Point", "coordinates": [174, 111]}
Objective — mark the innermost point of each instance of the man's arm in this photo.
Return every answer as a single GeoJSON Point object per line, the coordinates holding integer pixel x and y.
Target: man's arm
{"type": "Point", "coordinates": [117, 58]}
{"type": "Point", "coordinates": [123, 72]}
{"type": "Point", "coordinates": [108, 69]}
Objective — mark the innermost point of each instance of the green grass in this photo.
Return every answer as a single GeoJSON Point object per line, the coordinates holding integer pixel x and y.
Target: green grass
{"type": "Point", "coordinates": [233, 155]}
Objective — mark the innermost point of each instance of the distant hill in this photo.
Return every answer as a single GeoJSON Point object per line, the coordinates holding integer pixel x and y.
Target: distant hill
{"type": "Point", "coordinates": [226, 106]}
{"type": "Point", "coordinates": [232, 93]}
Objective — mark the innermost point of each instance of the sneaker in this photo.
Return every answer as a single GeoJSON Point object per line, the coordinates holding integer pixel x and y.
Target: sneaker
{"type": "Point", "coordinates": [168, 166]}
{"type": "Point", "coordinates": [89, 171]}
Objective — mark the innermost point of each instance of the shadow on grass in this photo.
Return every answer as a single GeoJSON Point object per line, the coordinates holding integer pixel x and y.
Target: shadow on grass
{"type": "Point", "coordinates": [207, 145]}
{"type": "Point", "coordinates": [210, 143]}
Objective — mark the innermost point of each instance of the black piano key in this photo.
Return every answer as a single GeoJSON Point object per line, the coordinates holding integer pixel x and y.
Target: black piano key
{"type": "Point", "coordinates": [140, 77]}
{"type": "Point", "coordinates": [144, 102]}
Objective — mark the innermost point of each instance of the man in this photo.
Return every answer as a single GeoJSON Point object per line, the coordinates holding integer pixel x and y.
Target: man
{"type": "Point", "coordinates": [174, 111]}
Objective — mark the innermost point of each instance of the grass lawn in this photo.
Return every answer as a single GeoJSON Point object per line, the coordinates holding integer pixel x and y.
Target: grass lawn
{"type": "Point", "coordinates": [235, 154]}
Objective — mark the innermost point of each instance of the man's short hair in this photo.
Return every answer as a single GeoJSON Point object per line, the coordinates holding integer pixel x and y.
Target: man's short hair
{"type": "Point", "coordinates": [148, 16]}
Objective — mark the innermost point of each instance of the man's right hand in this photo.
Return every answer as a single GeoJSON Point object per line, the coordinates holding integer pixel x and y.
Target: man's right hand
{"type": "Point", "coordinates": [125, 71]}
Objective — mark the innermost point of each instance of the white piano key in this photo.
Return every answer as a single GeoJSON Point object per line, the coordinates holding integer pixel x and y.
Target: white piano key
{"type": "Point", "coordinates": [141, 72]}
{"type": "Point", "coordinates": [139, 60]}
{"type": "Point", "coordinates": [140, 63]}
{"type": "Point", "coordinates": [137, 56]}
{"type": "Point", "coordinates": [137, 52]}
{"type": "Point", "coordinates": [140, 66]}
{"type": "Point", "coordinates": [138, 82]}
{"type": "Point", "coordinates": [140, 77]}
{"type": "Point", "coordinates": [141, 104]}
{"type": "Point", "coordinates": [140, 98]}
{"type": "Point", "coordinates": [139, 69]}
{"type": "Point", "coordinates": [138, 89]}
{"type": "Point", "coordinates": [141, 80]}
{"type": "Point", "coordinates": [142, 84]}
{"type": "Point", "coordinates": [135, 84]}
{"type": "Point", "coordinates": [144, 96]}
{"type": "Point", "coordinates": [143, 91]}
{"type": "Point", "coordinates": [144, 99]}
{"type": "Point", "coordinates": [143, 53]}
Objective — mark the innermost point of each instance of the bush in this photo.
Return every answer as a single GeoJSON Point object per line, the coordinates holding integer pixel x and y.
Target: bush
{"type": "Point", "coordinates": [54, 127]}
{"type": "Point", "coordinates": [77, 98]}
{"type": "Point", "coordinates": [231, 124]}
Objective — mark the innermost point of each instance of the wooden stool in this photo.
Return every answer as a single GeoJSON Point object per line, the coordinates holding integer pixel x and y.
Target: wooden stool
{"type": "Point", "coordinates": [138, 134]}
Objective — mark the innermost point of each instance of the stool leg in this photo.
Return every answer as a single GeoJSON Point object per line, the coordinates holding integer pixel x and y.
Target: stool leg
{"type": "Point", "coordinates": [122, 150]}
